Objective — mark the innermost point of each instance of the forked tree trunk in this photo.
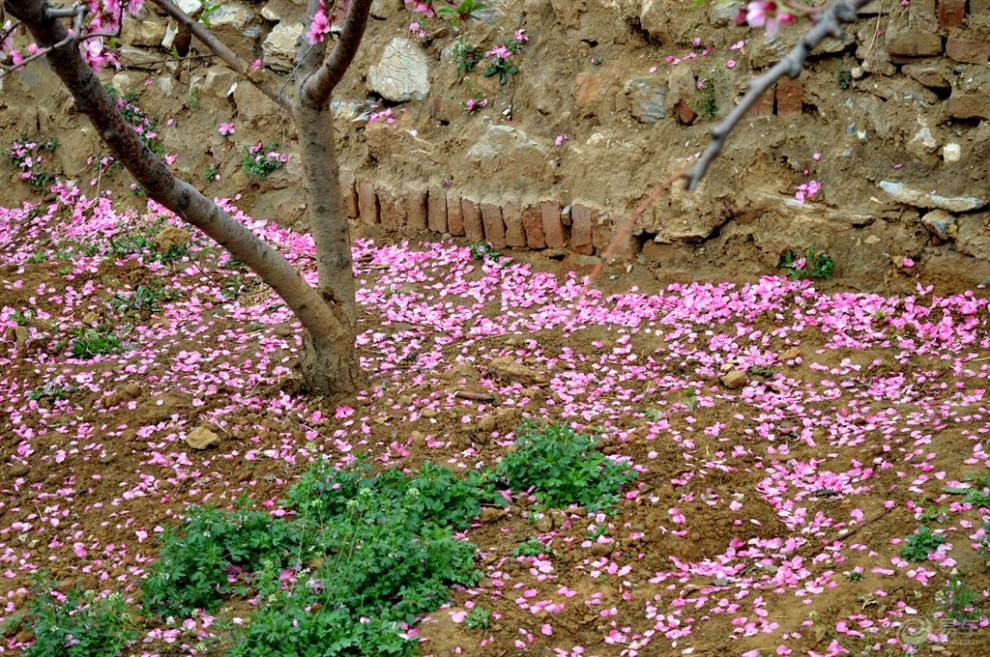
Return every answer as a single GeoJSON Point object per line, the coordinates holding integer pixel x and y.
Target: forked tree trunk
{"type": "Point", "coordinates": [329, 361]}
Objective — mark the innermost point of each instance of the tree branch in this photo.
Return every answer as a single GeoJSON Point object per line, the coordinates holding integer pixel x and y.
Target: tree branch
{"type": "Point", "coordinates": [260, 79]}
{"type": "Point", "coordinates": [828, 23]}
{"type": "Point", "coordinates": [320, 84]}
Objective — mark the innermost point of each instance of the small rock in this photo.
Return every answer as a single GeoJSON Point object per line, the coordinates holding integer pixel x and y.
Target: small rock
{"type": "Point", "coordinates": [202, 438]}
{"type": "Point", "coordinates": [507, 368]}
{"type": "Point", "coordinates": [20, 334]}
{"type": "Point", "coordinates": [735, 379]}
{"type": "Point", "coordinates": [790, 354]}
{"type": "Point", "coordinates": [19, 469]}
{"type": "Point", "coordinates": [545, 523]}
{"type": "Point", "coordinates": [403, 73]}
{"type": "Point", "coordinates": [487, 423]}
{"type": "Point", "coordinates": [171, 236]}
{"type": "Point", "coordinates": [491, 514]}
{"type": "Point", "coordinates": [930, 200]}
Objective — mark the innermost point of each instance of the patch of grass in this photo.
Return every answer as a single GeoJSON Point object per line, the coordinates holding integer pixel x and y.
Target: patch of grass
{"type": "Point", "coordinates": [564, 468]}
{"type": "Point", "coordinates": [466, 55]}
{"type": "Point", "coordinates": [921, 543]}
{"type": "Point", "coordinates": [78, 624]}
{"type": "Point", "coordinates": [144, 298]}
{"type": "Point", "coordinates": [90, 342]}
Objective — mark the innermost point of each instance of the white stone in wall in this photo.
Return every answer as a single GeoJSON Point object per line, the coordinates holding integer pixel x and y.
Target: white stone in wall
{"type": "Point", "coordinates": [403, 72]}
{"type": "Point", "coordinates": [279, 47]}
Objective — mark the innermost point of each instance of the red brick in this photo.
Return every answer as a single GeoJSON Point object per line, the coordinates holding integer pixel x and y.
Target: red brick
{"type": "Point", "coordinates": [515, 234]}
{"type": "Point", "coordinates": [455, 216]}
{"type": "Point", "coordinates": [348, 194]}
{"type": "Point", "coordinates": [533, 225]}
{"type": "Point", "coordinates": [951, 13]}
{"type": "Point", "coordinates": [790, 97]}
{"type": "Point", "coordinates": [368, 209]}
{"type": "Point", "coordinates": [436, 216]}
{"type": "Point", "coordinates": [553, 229]}
{"type": "Point", "coordinates": [582, 221]}
{"type": "Point", "coordinates": [474, 229]}
{"type": "Point", "coordinates": [491, 218]}
{"type": "Point", "coordinates": [967, 51]}
{"type": "Point", "coordinates": [416, 208]}
{"type": "Point", "coordinates": [764, 104]}
{"type": "Point", "coordinates": [393, 209]}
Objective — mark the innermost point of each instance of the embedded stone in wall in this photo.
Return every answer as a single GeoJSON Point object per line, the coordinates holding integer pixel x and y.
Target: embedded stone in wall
{"type": "Point", "coordinates": [646, 99]}
{"type": "Point", "coordinates": [252, 105]}
{"type": "Point", "coordinates": [279, 47]}
{"type": "Point", "coordinates": [402, 74]}
{"type": "Point", "coordinates": [436, 215]}
{"type": "Point", "coordinates": [968, 106]}
{"type": "Point", "coordinates": [914, 43]}
{"type": "Point", "coordinates": [934, 75]}
{"type": "Point", "coordinates": [474, 229]}
{"type": "Point", "coordinates": [588, 89]}
{"type": "Point", "coordinates": [951, 13]}
{"type": "Point", "coordinates": [967, 51]}
{"type": "Point", "coordinates": [508, 145]}
{"type": "Point", "coordinates": [553, 227]}
{"type": "Point", "coordinates": [941, 224]}
{"type": "Point", "coordinates": [973, 238]}
{"type": "Point", "coordinates": [924, 199]}
{"type": "Point", "coordinates": [416, 208]}
{"type": "Point", "coordinates": [138, 32]}
{"type": "Point", "coordinates": [491, 218]}
{"type": "Point", "coordinates": [385, 9]}
{"type": "Point", "coordinates": [532, 219]}
{"type": "Point", "coordinates": [233, 24]}
{"type": "Point", "coordinates": [790, 97]}
{"type": "Point", "coordinates": [368, 209]}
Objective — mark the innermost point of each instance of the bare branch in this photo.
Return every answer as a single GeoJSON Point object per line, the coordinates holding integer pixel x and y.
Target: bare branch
{"type": "Point", "coordinates": [828, 23]}
{"type": "Point", "coordinates": [260, 79]}
{"type": "Point", "coordinates": [318, 87]}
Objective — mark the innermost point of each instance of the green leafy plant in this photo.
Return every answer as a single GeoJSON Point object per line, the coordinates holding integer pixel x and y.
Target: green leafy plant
{"type": "Point", "coordinates": [810, 265]}
{"type": "Point", "coordinates": [78, 624]}
{"type": "Point", "coordinates": [212, 172]}
{"type": "Point", "coordinates": [707, 103]}
{"type": "Point", "coordinates": [195, 559]}
{"type": "Point", "coordinates": [466, 55]}
{"type": "Point", "coordinates": [477, 618]}
{"type": "Point", "coordinates": [90, 342]}
{"type": "Point", "coordinates": [209, 9]}
{"type": "Point", "coordinates": [52, 391]}
{"type": "Point", "coordinates": [261, 161]}
{"type": "Point", "coordinates": [958, 603]}
{"type": "Point", "coordinates": [143, 123]}
{"type": "Point", "coordinates": [853, 575]}
{"type": "Point", "coordinates": [499, 57]}
{"type": "Point", "coordinates": [460, 13]}
{"type": "Point", "coordinates": [843, 77]}
{"type": "Point", "coordinates": [532, 547]}
{"type": "Point", "coordinates": [920, 544]}
{"type": "Point", "coordinates": [563, 467]}
{"type": "Point", "coordinates": [484, 251]}
{"type": "Point", "coordinates": [28, 156]}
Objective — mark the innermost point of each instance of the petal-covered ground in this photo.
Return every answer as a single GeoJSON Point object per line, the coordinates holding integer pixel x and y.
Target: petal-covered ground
{"type": "Point", "coordinates": [789, 441]}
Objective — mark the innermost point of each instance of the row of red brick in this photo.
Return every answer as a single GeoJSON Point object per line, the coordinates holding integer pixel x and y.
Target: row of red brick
{"type": "Point", "coordinates": [537, 225]}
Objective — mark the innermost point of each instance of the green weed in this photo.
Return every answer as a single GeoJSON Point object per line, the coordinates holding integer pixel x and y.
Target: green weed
{"type": "Point", "coordinates": [920, 544]}
{"type": "Point", "coordinates": [78, 625]}
{"type": "Point", "coordinates": [563, 467]}
{"type": "Point", "coordinates": [484, 251]}
{"type": "Point", "coordinates": [90, 342]}
{"type": "Point", "coordinates": [477, 618]}
{"type": "Point", "coordinates": [811, 265]}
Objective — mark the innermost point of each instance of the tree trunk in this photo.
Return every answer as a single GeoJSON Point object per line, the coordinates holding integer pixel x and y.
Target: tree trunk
{"type": "Point", "coordinates": [329, 331]}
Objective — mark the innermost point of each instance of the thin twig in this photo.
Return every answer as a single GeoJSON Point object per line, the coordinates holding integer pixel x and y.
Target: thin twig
{"type": "Point", "coordinates": [621, 235]}
{"type": "Point", "coordinates": [829, 23]}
